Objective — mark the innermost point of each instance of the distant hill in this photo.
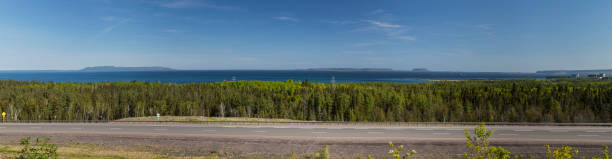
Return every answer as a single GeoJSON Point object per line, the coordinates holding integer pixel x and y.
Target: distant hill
{"type": "Point", "coordinates": [607, 71]}
{"type": "Point", "coordinates": [115, 68]}
{"type": "Point", "coordinates": [420, 70]}
{"type": "Point", "coordinates": [349, 69]}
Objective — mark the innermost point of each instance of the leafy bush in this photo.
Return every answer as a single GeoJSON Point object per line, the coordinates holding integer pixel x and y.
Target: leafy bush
{"type": "Point", "coordinates": [42, 149]}
{"type": "Point", "coordinates": [563, 152]}
{"type": "Point", "coordinates": [397, 152]}
{"type": "Point", "coordinates": [323, 153]}
{"type": "Point", "coordinates": [478, 145]}
{"type": "Point", "coordinates": [604, 153]}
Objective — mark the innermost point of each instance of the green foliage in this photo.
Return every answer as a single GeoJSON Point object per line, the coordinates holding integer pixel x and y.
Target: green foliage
{"type": "Point", "coordinates": [370, 157]}
{"type": "Point", "coordinates": [604, 153]}
{"type": "Point", "coordinates": [323, 153]}
{"type": "Point", "coordinates": [563, 152]}
{"type": "Point", "coordinates": [527, 100]}
{"type": "Point", "coordinates": [397, 152]}
{"type": "Point", "coordinates": [498, 153]}
{"type": "Point", "coordinates": [42, 149]}
{"type": "Point", "coordinates": [478, 145]}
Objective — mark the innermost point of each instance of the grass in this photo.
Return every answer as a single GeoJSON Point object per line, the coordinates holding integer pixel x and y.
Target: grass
{"type": "Point", "coordinates": [89, 151]}
{"type": "Point", "coordinates": [92, 151]}
{"type": "Point", "coordinates": [201, 118]}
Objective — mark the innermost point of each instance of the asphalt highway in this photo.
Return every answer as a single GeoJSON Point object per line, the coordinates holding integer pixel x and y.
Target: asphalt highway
{"type": "Point", "coordinates": [508, 132]}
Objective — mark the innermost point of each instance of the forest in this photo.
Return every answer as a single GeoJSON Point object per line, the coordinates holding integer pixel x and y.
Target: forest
{"type": "Point", "coordinates": [521, 100]}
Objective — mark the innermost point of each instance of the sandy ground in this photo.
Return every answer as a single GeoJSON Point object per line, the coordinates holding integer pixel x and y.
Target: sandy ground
{"type": "Point", "coordinates": [198, 145]}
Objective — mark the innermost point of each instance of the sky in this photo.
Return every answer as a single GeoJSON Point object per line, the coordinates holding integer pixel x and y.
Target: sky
{"type": "Point", "coordinates": [441, 35]}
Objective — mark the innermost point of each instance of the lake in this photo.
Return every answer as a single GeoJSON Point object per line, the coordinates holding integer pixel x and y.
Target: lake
{"type": "Point", "coordinates": [262, 75]}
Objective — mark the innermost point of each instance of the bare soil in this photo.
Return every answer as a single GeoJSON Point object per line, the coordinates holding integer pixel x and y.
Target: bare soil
{"type": "Point", "coordinates": [244, 146]}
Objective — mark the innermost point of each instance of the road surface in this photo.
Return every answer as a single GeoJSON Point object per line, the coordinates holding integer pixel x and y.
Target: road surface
{"type": "Point", "coordinates": [295, 138]}
{"type": "Point", "coordinates": [518, 132]}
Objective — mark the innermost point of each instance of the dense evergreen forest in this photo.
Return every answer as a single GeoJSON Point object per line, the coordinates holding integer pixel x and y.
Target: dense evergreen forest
{"type": "Point", "coordinates": [527, 100]}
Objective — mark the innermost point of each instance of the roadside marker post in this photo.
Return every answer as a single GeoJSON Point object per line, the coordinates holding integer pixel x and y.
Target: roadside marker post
{"type": "Point", "coordinates": [3, 115]}
{"type": "Point", "coordinates": [157, 116]}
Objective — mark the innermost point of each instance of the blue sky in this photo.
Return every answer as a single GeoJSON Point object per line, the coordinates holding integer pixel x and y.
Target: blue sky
{"type": "Point", "coordinates": [470, 35]}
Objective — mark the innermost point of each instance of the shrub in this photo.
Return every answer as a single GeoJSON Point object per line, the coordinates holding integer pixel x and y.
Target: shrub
{"type": "Point", "coordinates": [478, 145]}
{"type": "Point", "coordinates": [604, 153]}
{"type": "Point", "coordinates": [369, 157]}
{"type": "Point", "coordinates": [397, 152]}
{"type": "Point", "coordinates": [323, 153]}
{"type": "Point", "coordinates": [42, 149]}
{"type": "Point", "coordinates": [497, 153]}
{"type": "Point", "coordinates": [563, 152]}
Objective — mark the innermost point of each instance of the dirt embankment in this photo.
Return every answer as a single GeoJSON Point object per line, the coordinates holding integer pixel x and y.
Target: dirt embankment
{"type": "Point", "coordinates": [245, 146]}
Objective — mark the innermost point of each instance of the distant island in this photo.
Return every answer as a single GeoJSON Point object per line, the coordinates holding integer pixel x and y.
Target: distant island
{"type": "Point", "coordinates": [365, 69]}
{"type": "Point", "coordinates": [420, 70]}
{"type": "Point", "coordinates": [350, 69]}
{"type": "Point", "coordinates": [608, 71]}
{"type": "Point", "coordinates": [115, 69]}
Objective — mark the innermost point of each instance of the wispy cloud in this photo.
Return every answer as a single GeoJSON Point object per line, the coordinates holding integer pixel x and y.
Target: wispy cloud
{"type": "Point", "coordinates": [474, 29]}
{"type": "Point", "coordinates": [471, 26]}
{"type": "Point", "coordinates": [357, 52]}
{"type": "Point", "coordinates": [366, 44]}
{"type": "Point", "coordinates": [341, 22]}
{"type": "Point", "coordinates": [109, 29]}
{"type": "Point", "coordinates": [394, 31]}
{"type": "Point", "coordinates": [109, 18]}
{"type": "Point", "coordinates": [484, 26]}
{"type": "Point", "coordinates": [383, 24]}
{"type": "Point", "coordinates": [378, 21]}
{"type": "Point", "coordinates": [378, 11]}
{"type": "Point", "coordinates": [287, 18]}
{"type": "Point", "coordinates": [171, 31]}
{"type": "Point", "coordinates": [195, 4]}
{"type": "Point", "coordinates": [406, 38]}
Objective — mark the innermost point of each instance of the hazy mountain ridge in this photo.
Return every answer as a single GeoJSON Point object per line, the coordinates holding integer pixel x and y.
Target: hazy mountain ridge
{"type": "Point", "coordinates": [349, 69]}
{"type": "Point", "coordinates": [115, 68]}
{"type": "Point", "coordinates": [575, 71]}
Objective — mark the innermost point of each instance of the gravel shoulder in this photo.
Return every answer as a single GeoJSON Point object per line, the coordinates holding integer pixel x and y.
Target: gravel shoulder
{"type": "Point", "coordinates": [254, 145]}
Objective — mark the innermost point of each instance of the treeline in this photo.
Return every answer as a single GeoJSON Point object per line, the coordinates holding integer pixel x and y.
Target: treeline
{"type": "Point", "coordinates": [529, 100]}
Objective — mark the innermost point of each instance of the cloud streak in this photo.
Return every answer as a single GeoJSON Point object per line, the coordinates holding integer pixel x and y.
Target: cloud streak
{"type": "Point", "coordinates": [340, 22]}
{"type": "Point", "coordinates": [109, 18]}
{"type": "Point", "coordinates": [394, 31]}
{"type": "Point", "coordinates": [178, 4]}
{"type": "Point", "coordinates": [484, 26]}
{"type": "Point", "coordinates": [383, 24]}
{"type": "Point", "coordinates": [367, 44]}
{"type": "Point", "coordinates": [171, 31]}
{"type": "Point", "coordinates": [377, 23]}
{"type": "Point", "coordinates": [411, 38]}
{"type": "Point", "coordinates": [286, 18]}
{"type": "Point", "coordinates": [110, 28]}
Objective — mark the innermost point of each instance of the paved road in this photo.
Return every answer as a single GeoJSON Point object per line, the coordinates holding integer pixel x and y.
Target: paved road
{"type": "Point", "coordinates": [510, 132]}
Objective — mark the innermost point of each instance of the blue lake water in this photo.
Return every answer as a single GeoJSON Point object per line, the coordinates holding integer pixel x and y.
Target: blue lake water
{"type": "Point", "coordinates": [228, 75]}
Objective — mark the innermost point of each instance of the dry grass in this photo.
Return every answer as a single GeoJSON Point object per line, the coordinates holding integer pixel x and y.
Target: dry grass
{"type": "Point", "coordinates": [87, 151]}
{"type": "Point", "coordinates": [201, 118]}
